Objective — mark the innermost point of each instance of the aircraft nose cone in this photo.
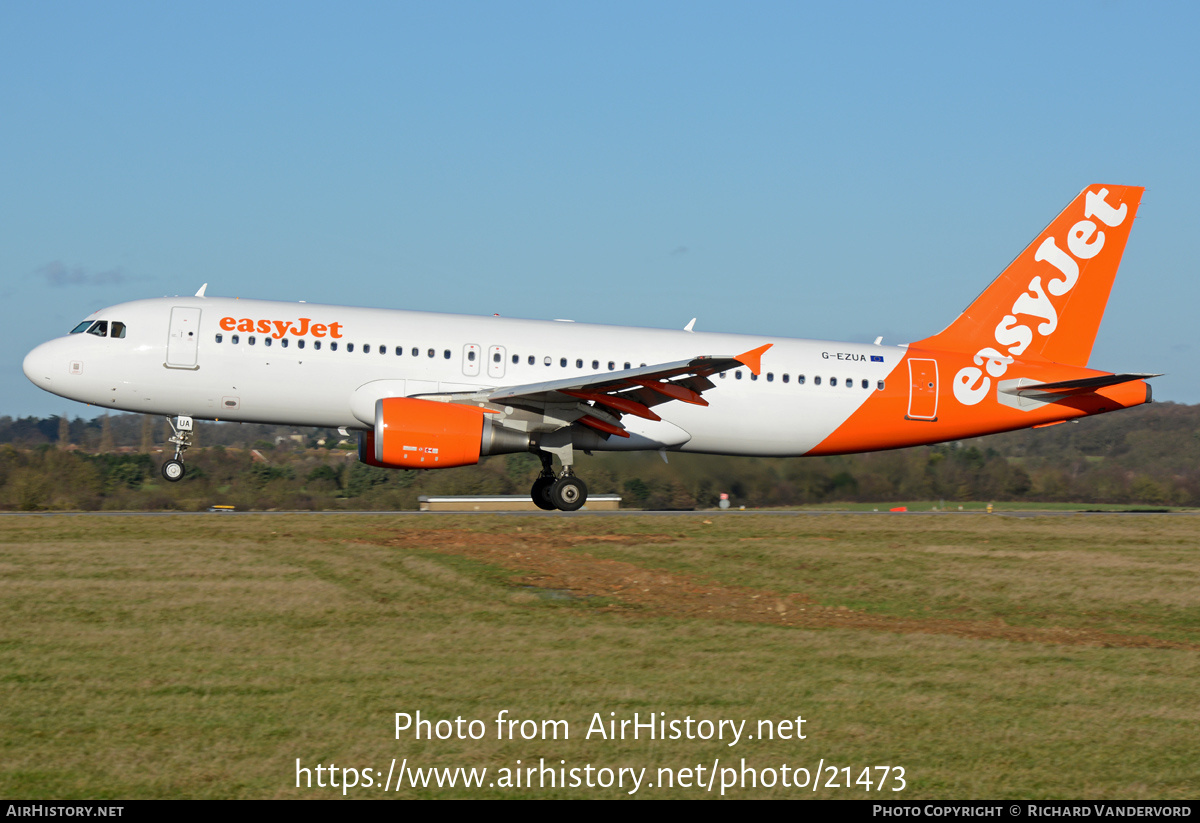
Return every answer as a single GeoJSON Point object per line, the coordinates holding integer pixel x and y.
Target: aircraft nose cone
{"type": "Point", "coordinates": [37, 367]}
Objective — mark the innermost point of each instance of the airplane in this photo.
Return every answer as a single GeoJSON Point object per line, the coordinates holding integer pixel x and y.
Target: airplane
{"type": "Point", "coordinates": [427, 390]}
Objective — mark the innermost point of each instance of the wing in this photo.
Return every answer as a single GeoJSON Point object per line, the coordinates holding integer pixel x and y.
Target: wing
{"type": "Point", "coordinates": [599, 400]}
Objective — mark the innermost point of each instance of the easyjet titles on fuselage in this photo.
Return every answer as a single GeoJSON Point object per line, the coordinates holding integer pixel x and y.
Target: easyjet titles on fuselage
{"type": "Point", "coordinates": [1084, 241]}
{"type": "Point", "coordinates": [278, 328]}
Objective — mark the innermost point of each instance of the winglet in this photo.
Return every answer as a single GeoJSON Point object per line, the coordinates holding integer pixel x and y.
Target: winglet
{"type": "Point", "coordinates": [753, 358]}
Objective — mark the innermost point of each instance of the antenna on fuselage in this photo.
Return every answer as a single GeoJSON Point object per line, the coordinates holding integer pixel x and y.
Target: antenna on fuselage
{"type": "Point", "coordinates": [201, 292]}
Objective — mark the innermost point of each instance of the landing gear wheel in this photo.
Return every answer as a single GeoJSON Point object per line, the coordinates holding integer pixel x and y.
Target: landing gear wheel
{"type": "Point", "coordinates": [541, 493]}
{"type": "Point", "coordinates": [173, 470]}
{"type": "Point", "coordinates": [568, 493]}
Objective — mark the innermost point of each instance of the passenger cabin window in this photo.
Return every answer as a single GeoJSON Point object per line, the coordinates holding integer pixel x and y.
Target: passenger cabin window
{"type": "Point", "coordinates": [496, 357]}
{"type": "Point", "coordinates": [446, 354]}
{"type": "Point", "coordinates": [785, 377]}
{"type": "Point", "coordinates": [879, 385]}
{"type": "Point", "coordinates": [429, 353]}
{"type": "Point", "coordinates": [300, 343]}
{"type": "Point", "coordinates": [399, 349]}
{"type": "Point", "coordinates": [738, 375]}
{"type": "Point", "coordinates": [233, 338]}
{"type": "Point", "coordinates": [284, 342]}
{"type": "Point", "coordinates": [832, 381]}
{"type": "Point", "coordinates": [612, 366]}
{"type": "Point", "coordinates": [799, 380]}
{"type": "Point", "coordinates": [366, 348]}
{"type": "Point", "coordinates": [579, 363]}
{"type": "Point", "coordinates": [82, 327]}
{"type": "Point", "coordinates": [383, 349]}
{"type": "Point", "coordinates": [816, 380]}
{"type": "Point", "coordinates": [251, 340]}
{"type": "Point", "coordinates": [268, 340]}
{"type": "Point", "coordinates": [415, 351]}
{"type": "Point", "coordinates": [316, 344]}
{"type": "Point", "coordinates": [866, 384]}
{"type": "Point", "coordinates": [470, 357]}
{"type": "Point", "coordinates": [219, 337]}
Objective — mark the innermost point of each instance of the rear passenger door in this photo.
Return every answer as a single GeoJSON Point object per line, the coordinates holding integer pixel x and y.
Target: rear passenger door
{"type": "Point", "coordinates": [922, 389]}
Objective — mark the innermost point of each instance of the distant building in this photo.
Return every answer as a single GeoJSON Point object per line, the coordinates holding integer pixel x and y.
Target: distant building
{"type": "Point", "coordinates": [508, 503]}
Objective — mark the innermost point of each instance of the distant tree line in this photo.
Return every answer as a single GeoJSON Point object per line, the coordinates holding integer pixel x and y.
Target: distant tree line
{"type": "Point", "coordinates": [1149, 455]}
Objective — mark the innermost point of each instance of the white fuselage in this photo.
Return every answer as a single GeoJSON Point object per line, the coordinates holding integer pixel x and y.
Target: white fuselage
{"type": "Point", "coordinates": [243, 360]}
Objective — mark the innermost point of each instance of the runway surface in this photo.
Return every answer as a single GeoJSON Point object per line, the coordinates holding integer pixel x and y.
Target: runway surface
{"type": "Point", "coordinates": [624, 513]}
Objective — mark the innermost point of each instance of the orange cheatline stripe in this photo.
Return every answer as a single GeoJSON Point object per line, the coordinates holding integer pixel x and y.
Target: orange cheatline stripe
{"type": "Point", "coordinates": [600, 425]}
{"type": "Point", "coordinates": [623, 404]}
{"type": "Point", "coordinates": [673, 391]}
{"type": "Point", "coordinates": [880, 422]}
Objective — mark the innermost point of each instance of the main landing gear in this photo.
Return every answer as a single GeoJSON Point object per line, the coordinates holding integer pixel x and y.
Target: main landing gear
{"type": "Point", "coordinates": [173, 469]}
{"type": "Point", "coordinates": [565, 492]}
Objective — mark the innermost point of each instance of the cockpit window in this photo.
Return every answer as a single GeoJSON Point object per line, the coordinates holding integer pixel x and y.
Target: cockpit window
{"type": "Point", "coordinates": [100, 328]}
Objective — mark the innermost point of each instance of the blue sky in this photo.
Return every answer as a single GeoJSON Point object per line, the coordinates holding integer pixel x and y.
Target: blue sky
{"type": "Point", "coordinates": [833, 171]}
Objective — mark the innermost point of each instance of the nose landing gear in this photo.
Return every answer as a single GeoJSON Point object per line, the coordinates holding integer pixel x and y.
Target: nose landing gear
{"type": "Point", "coordinates": [173, 470]}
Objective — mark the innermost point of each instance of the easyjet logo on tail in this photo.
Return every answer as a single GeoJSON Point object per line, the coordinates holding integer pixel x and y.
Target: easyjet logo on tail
{"type": "Point", "coordinates": [1014, 333]}
{"type": "Point", "coordinates": [279, 328]}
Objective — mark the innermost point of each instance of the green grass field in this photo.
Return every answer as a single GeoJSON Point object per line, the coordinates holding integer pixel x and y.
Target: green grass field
{"type": "Point", "coordinates": [1001, 507]}
{"type": "Point", "coordinates": [989, 656]}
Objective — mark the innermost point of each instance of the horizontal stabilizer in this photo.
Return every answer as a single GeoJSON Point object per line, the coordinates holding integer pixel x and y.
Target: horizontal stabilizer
{"type": "Point", "coordinates": [1084, 384]}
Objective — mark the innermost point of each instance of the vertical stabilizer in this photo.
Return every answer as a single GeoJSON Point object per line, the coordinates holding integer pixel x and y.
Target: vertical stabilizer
{"type": "Point", "coordinates": [1049, 302]}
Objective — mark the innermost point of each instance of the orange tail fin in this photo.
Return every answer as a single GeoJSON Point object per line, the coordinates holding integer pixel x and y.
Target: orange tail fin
{"type": "Point", "coordinates": [1049, 302]}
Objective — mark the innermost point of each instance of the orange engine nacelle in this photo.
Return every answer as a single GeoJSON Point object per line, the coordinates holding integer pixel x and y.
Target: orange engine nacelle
{"type": "Point", "coordinates": [423, 434]}
{"type": "Point", "coordinates": [426, 434]}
